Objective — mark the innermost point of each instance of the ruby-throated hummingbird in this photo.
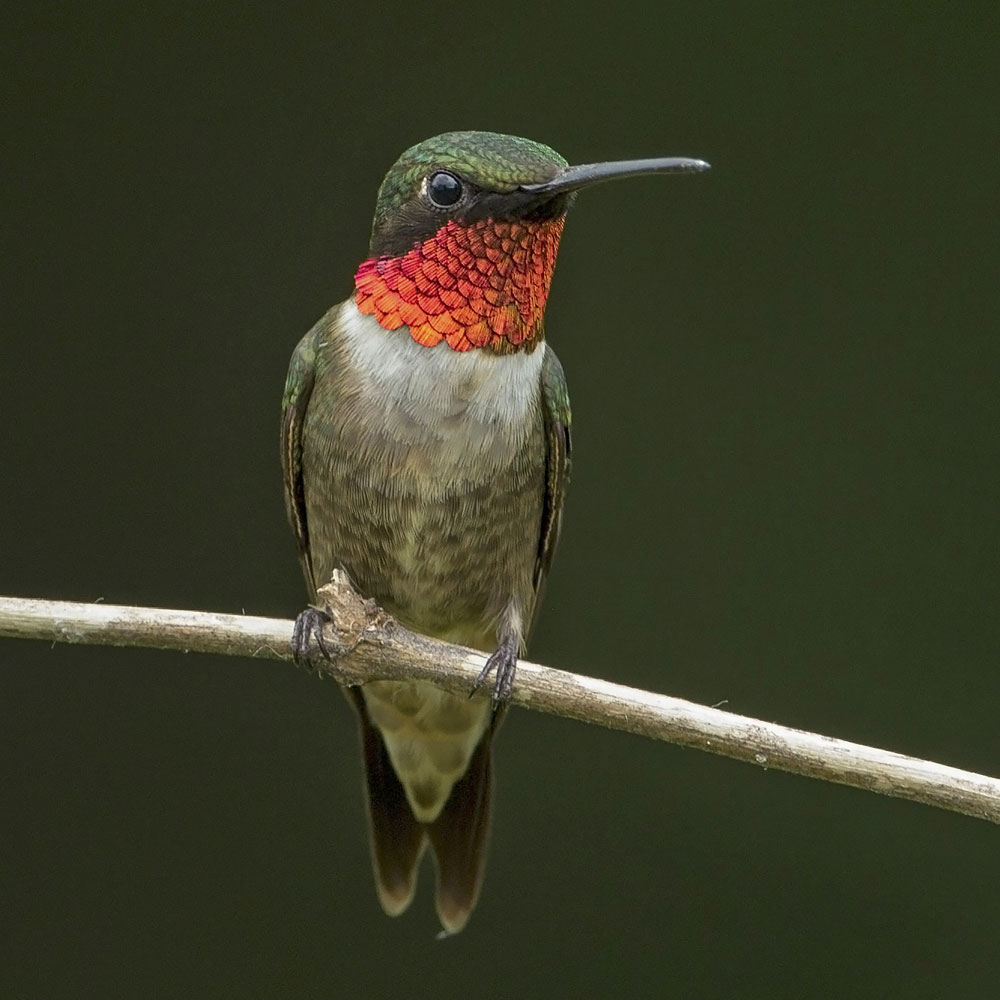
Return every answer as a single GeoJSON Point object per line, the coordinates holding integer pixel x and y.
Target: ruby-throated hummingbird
{"type": "Point", "coordinates": [425, 446]}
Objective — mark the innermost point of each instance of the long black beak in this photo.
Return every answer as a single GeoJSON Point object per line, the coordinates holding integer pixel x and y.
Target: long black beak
{"type": "Point", "coordinates": [574, 178]}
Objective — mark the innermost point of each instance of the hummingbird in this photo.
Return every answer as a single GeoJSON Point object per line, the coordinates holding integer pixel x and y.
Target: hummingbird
{"type": "Point", "coordinates": [425, 444]}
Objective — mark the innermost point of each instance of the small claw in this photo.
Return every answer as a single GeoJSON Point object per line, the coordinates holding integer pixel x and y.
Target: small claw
{"type": "Point", "coordinates": [309, 629]}
{"type": "Point", "coordinates": [504, 661]}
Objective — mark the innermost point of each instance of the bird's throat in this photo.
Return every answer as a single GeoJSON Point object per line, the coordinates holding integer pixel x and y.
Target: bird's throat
{"type": "Point", "coordinates": [479, 285]}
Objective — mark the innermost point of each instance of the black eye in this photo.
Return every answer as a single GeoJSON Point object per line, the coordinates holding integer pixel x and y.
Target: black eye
{"type": "Point", "coordinates": [444, 189]}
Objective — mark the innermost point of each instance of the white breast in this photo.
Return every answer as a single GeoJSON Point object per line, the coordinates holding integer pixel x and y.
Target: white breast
{"type": "Point", "coordinates": [472, 404]}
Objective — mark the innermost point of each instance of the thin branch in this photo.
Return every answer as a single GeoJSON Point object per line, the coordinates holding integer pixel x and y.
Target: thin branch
{"type": "Point", "coordinates": [368, 645]}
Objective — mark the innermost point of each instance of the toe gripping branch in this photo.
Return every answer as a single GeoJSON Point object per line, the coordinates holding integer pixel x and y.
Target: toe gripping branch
{"type": "Point", "coordinates": [308, 629]}
{"type": "Point", "coordinates": [503, 660]}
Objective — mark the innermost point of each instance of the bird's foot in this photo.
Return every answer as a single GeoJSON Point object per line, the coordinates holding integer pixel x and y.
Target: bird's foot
{"type": "Point", "coordinates": [308, 630]}
{"type": "Point", "coordinates": [503, 660]}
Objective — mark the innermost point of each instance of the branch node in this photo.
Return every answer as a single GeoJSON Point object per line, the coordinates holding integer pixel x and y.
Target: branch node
{"type": "Point", "coordinates": [353, 619]}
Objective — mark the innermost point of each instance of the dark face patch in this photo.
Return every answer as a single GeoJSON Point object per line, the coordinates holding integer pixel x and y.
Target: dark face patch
{"type": "Point", "coordinates": [420, 219]}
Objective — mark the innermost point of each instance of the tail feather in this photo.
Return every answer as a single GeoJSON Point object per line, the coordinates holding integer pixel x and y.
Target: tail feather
{"type": "Point", "coordinates": [459, 836]}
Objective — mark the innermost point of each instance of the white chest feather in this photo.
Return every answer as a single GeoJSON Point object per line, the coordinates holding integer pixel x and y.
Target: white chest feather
{"type": "Point", "coordinates": [466, 405]}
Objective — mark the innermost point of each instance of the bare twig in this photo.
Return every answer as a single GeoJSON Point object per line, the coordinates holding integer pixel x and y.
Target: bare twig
{"type": "Point", "coordinates": [367, 645]}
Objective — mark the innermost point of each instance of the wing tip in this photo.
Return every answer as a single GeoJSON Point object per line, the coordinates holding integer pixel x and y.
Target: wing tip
{"type": "Point", "coordinates": [453, 917]}
{"type": "Point", "coordinates": [396, 840]}
{"type": "Point", "coordinates": [460, 840]}
{"type": "Point", "coordinates": [395, 895]}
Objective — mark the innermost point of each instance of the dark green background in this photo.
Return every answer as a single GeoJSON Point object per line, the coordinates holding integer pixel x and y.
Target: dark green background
{"type": "Point", "coordinates": [785, 388]}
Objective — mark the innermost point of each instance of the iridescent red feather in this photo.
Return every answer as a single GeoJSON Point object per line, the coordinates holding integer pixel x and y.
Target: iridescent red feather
{"type": "Point", "coordinates": [482, 285]}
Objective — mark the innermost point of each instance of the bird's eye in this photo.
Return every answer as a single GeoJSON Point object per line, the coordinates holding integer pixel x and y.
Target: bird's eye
{"type": "Point", "coordinates": [444, 189]}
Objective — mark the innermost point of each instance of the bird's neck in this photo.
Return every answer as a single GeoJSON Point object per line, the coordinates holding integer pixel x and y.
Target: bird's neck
{"type": "Point", "coordinates": [481, 285]}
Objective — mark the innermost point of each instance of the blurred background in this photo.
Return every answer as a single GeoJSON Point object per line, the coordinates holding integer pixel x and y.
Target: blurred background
{"type": "Point", "coordinates": [784, 381]}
